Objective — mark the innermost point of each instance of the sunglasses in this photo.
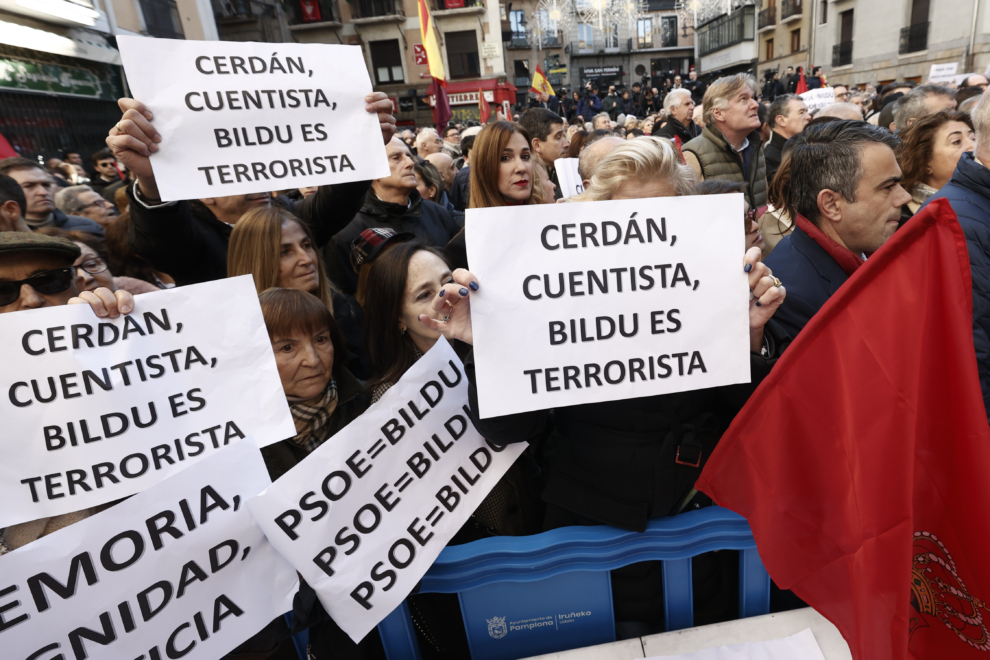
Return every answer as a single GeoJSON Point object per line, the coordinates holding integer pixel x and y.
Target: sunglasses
{"type": "Point", "coordinates": [47, 283]}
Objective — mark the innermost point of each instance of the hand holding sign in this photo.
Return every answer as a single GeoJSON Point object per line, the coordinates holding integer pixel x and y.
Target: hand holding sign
{"type": "Point", "coordinates": [767, 295]}
{"type": "Point", "coordinates": [106, 303]}
{"type": "Point", "coordinates": [453, 305]}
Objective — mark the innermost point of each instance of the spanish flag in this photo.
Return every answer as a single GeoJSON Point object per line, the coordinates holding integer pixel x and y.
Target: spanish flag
{"type": "Point", "coordinates": [540, 83]}
{"type": "Point", "coordinates": [431, 43]}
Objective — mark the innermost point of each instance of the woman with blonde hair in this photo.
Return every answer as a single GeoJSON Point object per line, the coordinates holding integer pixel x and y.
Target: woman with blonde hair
{"type": "Point", "coordinates": [278, 250]}
{"type": "Point", "coordinates": [645, 167]}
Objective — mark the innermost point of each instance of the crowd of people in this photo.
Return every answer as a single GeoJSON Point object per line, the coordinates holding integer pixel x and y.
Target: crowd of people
{"type": "Point", "coordinates": [357, 281]}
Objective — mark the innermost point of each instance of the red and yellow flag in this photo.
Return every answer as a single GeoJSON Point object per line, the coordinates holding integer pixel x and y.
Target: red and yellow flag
{"type": "Point", "coordinates": [540, 83]}
{"type": "Point", "coordinates": [431, 44]}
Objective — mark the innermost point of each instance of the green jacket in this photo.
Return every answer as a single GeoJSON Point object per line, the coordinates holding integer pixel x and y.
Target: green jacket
{"type": "Point", "coordinates": [351, 402]}
{"type": "Point", "coordinates": [720, 161]}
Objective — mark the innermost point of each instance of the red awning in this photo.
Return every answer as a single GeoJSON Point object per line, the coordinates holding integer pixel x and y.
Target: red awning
{"type": "Point", "coordinates": [505, 91]}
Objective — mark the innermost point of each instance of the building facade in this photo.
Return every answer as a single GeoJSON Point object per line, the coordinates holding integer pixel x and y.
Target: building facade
{"type": "Point", "coordinates": [860, 42]}
{"type": "Point", "coordinates": [60, 74]}
{"type": "Point", "coordinates": [784, 32]}
{"type": "Point", "coordinates": [727, 42]}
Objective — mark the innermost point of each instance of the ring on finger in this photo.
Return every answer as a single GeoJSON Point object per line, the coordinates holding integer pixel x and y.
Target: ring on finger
{"type": "Point", "coordinates": [777, 282]}
{"type": "Point", "coordinates": [120, 131]}
{"type": "Point", "coordinates": [449, 311]}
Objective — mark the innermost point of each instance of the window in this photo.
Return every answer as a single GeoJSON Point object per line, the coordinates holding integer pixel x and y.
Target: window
{"type": "Point", "coordinates": [795, 40]}
{"type": "Point", "coordinates": [668, 31]}
{"type": "Point", "coordinates": [824, 19]}
{"type": "Point", "coordinates": [515, 21]}
{"type": "Point", "coordinates": [521, 71]}
{"type": "Point", "coordinates": [162, 18]}
{"type": "Point", "coordinates": [462, 54]}
{"type": "Point", "coordinates": [386, 59]}
{"type": "Point", "coordinates": [586, 37]}
{"type": "Point", "coordinates": [644, 33]}
{"type": "Point", "coordinates": [612, 36]}
{"type": "Point", "coordinates": [768, 50]}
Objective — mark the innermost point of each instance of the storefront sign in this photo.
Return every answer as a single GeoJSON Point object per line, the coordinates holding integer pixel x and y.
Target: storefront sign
{"type": "Point", "coordinates": [28, 76]}
{"type": "Point", "coordinates": [600, 71]}
{"type": "Point", "coordinates": [466, 98]}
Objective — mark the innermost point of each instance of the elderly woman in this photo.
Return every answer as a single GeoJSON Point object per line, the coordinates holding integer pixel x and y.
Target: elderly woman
{"type": "Point", "coordinates": [429, 181]}
{"type": "Point", "coordinates": [929, 152]}
{"type": "Point", "coordinates": [92, 265]}
{"type": "Point", "coordinates": [322, 393]}
{"type": "Point", "coordinates": [277, 249]}
{"type": "Point", "coordinates": [612, 461]}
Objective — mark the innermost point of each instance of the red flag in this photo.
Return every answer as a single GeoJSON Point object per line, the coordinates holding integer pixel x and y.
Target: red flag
{"type": "Point", "coordinates": [441, 109]}
{"type": "Point", "coordinates": [861, 462]}
{"type": "Point", "coordinates": [802, 84]}
{"type": "Point", "coordinates": [484, 109]}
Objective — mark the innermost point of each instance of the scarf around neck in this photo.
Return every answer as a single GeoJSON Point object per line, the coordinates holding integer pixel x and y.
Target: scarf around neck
{"type": "Point", "coordinates": [312, 416]}
{"type": "Point", "coordinates": [847, 260]}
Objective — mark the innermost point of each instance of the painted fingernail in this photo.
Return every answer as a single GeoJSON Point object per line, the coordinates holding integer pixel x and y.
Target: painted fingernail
{"type": "Point", "coordinates": [758, 304]}
{"type": "Point", "coordinates": [442, 291]}
{"type": "Point", "coordinates": [748, 267]}
{"type": "Point", "coordinates": [474, 286]}
{"type": "Point", "coordinates": [463, 292]}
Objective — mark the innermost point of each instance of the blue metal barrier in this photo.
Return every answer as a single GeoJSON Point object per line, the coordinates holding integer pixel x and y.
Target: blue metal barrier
{"type": "Point", "coordinates": [524, 596]}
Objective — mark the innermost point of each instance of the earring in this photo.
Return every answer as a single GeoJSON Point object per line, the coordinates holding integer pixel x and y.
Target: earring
{"type": "Point", "coordinates": [402, 330]}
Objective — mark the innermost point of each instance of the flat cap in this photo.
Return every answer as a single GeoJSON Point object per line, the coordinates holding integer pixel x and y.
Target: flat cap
{"type": "Point", "coordinates": [15, 242]}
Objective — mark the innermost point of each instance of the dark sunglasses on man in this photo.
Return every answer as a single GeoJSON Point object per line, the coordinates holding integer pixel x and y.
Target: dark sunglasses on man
{"type": "Point", "coordinates": [47, 283]}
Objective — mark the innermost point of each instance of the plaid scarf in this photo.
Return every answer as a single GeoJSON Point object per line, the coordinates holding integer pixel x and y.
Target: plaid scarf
{"type": "Point", "coordinates": [312, 417]}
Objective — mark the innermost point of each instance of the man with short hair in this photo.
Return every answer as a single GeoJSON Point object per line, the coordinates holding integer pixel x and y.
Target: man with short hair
{"type": "Point", "coordinates": [589, 104]}
{"type": "Point", "coordinates": [697, 87]}
{"type": "Point", "coordinates": [452, 141]}
{"type": "Point", "coordinates": [72, 157]}
{"type": "Point", "coordinates": [428, 142]}
{"type": "Point", "coordinates": [39, 192]}
{"type": "Point", "coordinates": [460, 191]}
{"type": "Point", "coordinates": [841, 93]}
{"type": "Point", "coordinates": [841, 111]}
{"type": "Point", "coordinates": [394, 202]}
{"type": "Point", "coordinates": [105, 170]}
{"type": "Point", "coordinates": [612, 104]}
{"type": "Point", "coordinates": [968, 191]}
{"type": "Point", "coordinates": [845, 197]}
{"type": "Point", "coordinates": [679, 105]}
{"type": "Point", "coordinates": [548, 139]}
{"type": "Point", "coordinates": [730, 148]}
{"type": "Point", "coordinates": [857, 100]}
{"type": "Point", "coordinates": [787, 117]}
{"type": "Point", "coordinates": [445, 166]}
{"type": "Point", "coordinates": [86, 202]}
{"type": "Point", "coordinates": [593, 153]}
{"type": "Point", "coordinates": [974, 80]}
{"type": "Point", "coordinates": [13, 205]}
{"type": "Point", "coordinates": [920, 101]}
{"type": "Point", "coordinates": [790, 80]}
{"type": "Point", "coordinates": [188, 239]}
{"type": "Point", "coordinates": [601, 121]}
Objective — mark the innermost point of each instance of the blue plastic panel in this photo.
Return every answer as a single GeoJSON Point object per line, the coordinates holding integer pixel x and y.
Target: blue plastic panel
{"type": "Point", "coordinates": [512, 620]}
{"type": "Point", "coordinates": [678, 598]}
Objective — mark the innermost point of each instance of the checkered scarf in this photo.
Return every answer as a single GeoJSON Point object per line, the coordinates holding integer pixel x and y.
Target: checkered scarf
{"type": "Point", "coordinates": [311, 417]}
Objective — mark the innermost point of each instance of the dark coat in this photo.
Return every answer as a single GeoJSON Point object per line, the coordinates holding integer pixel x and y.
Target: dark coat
{"type": "Point", "coordinates": [810, 275]}
{"type": "Point", "coordinates": [190, 244]}
{"type": "Point", "coordinates": [352, 400]}
{"type": "Point", "coordinates": [604, 460]}
{"type": "Point", "coordinates": [698, 89]}
{"type": "Point", "coordinates": [772, 154]}
{"type": "Point", "coordinates": [75, 223]}
{"type": "Point", "coordinates": [431, 222]}
{"type": "Point", "coordinates": [674, 128]}
{"type": "Point", "coordinates": [460, 190]}
{"type": "Point", "coordinates": [98, 184]}
{"type": "Point", "coordinates": [772, 89]}
{"type": "Point", "coordinates": [612, 105]}
{"type": "Point", "coordinates": [968, 191]}
{"type": "Point", "coordinates": [588, 106]}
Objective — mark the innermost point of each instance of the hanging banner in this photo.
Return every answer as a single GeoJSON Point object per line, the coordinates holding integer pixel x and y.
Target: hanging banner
{"type": "Point", "coordinates": [98, 409]}
{"type": "Point", "coordinates": [179, 571]}
{"type": "Point", "coordinates": [364, 516]}
{"type": "Point", "coordinates": [244, 117]}
{"type": "Point", "coordinates": [614, 300]}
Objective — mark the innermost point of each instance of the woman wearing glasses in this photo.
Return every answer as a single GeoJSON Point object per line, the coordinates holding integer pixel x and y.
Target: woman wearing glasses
{"type": "Point", "coordinates": [92, 271]}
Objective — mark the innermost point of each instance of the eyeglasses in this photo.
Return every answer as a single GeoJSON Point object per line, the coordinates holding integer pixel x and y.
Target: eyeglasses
{"type": "Point", "coordinates": [47, 283]}
{"type": "Point", "coordinates": [100, 202]}
{"type": "Point", "coordinates": [93, 266]}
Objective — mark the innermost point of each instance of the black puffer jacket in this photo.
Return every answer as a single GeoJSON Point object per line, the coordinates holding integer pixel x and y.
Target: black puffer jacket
{"type": "Point", "coordinates": [430, 222]}
{"type": "Point", "coordinates": [187, 241]}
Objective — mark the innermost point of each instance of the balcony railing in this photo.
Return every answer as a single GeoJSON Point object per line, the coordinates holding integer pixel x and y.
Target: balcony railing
{"type": "Point", "coordinates": [842, 53]}
{"type": "Point", "coordinates": [163, 20]}
{"type": "Point", "coordinates": [768, 17]}
{"type": "Point", "coordinates": [522, 40]}
{"type": "Point", "coordinates": [790, 9]}
{"type": "Point", "coordinates": [914, 38]}
{"type": "Point", "coordinates": [375, 8]}
{"type": "Point", "coordinates": [444, 5]}
{"type": "Point", "coordinates": [727, 30]}
{"type": "Point", "coordinates": [601, 45]}
{"type": "Point", "coordinates": [298, 16]}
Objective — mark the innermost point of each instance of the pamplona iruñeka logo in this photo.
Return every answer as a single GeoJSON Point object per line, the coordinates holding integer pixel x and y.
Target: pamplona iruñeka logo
{"type": "Point", "coordinates": [497, 627]}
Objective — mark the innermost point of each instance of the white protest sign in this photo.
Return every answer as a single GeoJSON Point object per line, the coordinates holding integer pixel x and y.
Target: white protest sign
{"type": "Point", "coordinates": [243, 117]}
{"type": "Point", "coordinates": [816, 99]}
{"type": "Point", "coordinates": [96, 409]}
{"type": "Point", "coordinates": [181, 570]}
{"type": "Point", "coordinates": [598, 301]}
{"type": "Point", "coordinates": [363, 517]}
{"type": "Point", "coordinates": [567, 174]}
{"type": "Point", "coordinates": [940, 73]}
